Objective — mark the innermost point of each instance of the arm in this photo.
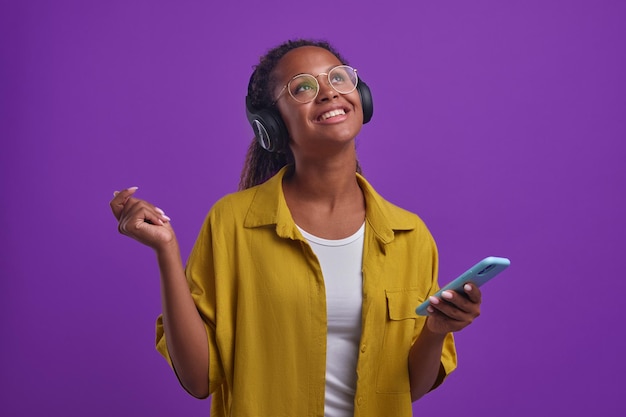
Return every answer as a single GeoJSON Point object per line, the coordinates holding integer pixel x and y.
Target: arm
{"type": "Point", "coordinates": [451, 314]}
{"type": "Point", "coordinates": [425, 362]}
{"type": "Point", "coordinates": [184, 329]}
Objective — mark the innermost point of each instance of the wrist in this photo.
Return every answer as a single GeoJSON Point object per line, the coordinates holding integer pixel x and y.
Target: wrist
{"type": "Point", "coordinates": [167, 249]}
{"type": "Point", "coordinates": [433, 334]}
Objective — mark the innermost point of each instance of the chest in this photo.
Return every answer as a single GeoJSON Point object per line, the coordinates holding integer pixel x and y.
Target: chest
{"type": "Point", "coordinates": [341, 264]}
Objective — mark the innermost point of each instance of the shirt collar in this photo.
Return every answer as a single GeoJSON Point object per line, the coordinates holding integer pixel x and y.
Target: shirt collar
{"type": "Point", "coordinates": [269, 207]}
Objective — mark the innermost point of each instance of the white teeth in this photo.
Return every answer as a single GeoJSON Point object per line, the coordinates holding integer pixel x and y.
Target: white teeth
{"type": "Point", "coordinates": [332, 113]}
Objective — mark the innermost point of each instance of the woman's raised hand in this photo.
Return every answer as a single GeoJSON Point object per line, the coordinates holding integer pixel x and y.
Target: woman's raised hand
{"type": "Point", "coordinates": [141, 220]}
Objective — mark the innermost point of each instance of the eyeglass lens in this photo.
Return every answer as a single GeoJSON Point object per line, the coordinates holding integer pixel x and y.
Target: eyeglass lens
{"type": "Point", "coordinates": [304, 87]}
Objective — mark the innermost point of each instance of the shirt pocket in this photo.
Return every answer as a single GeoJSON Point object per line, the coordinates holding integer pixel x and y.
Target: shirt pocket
{"type": "Point", "coordinates": [402, 325]}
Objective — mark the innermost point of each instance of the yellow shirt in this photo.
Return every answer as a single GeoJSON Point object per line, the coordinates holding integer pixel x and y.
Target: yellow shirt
{"type": "Point", "coordinates": [260, 291]}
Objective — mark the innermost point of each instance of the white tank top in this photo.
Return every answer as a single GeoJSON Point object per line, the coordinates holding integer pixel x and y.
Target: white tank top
{"type": "Point", "coordinates": [341, 261]}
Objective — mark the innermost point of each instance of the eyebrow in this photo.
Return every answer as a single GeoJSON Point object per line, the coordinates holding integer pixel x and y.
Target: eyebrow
{"type": "Point", "coordinates": [323, 72]}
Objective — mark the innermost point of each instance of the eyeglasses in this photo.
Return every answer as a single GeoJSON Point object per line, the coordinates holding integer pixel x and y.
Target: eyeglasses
{"type": "Point", "coordinates": [304, 88]}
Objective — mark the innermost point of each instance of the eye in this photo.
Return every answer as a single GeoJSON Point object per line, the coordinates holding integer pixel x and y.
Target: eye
{"type": "Point", "coordinates": [338, 78]}
{"type": "Point", "coordinates": [303, 85]}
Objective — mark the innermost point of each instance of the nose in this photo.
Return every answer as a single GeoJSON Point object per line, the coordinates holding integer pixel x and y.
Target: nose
{"type": "Point", "coordinates": [326, 92]}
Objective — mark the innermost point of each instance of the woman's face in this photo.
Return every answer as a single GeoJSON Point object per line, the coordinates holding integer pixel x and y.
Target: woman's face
{"type": "Point", "coordinates": [312, 127]}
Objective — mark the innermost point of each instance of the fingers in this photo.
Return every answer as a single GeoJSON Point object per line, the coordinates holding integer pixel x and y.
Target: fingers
{"type": "Point", "coordinates": [164, 217]}
{"type": "Point", "coordinates": [458, 307]}
{"type": "Point", "coordinates": [136, 214]}
{"type": "Point", "coordinates": [120, 198]}
{"type": "Point", "coordinates": [444, 307]}
{"type": "Point", "coordinates": [141, 220]}
{"type": "Point", "coordinates": [129, 210]}
{"type": "Point", "coordinates": [473, 293]}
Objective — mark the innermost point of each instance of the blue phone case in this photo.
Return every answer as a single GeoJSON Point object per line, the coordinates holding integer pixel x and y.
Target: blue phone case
{"type": "Point", "coordinates": [479, 274]}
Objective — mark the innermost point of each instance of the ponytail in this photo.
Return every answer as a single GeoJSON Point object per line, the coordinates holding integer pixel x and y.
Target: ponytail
{"type": "Point", "coordinates": [260, 165]}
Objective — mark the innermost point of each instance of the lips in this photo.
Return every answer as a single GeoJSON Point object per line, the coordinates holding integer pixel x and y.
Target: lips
{"type": "Point", "coordinates": [331, 113]}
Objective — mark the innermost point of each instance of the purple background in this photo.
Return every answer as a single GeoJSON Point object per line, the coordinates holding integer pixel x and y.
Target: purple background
{"type": "Point", "coordinates": [501, 123]}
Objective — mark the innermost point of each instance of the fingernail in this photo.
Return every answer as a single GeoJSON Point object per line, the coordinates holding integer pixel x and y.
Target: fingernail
{"type": "Point", "coordinates": [467, 287]}
{"type": "Point", "coordinates": [433, 300]}
{"type": "Point", "coordinates": [430, 309]}
{"type": "Point", "coordinates": [115, 193]}
{"type": "Point", "coordinates": [162, 213]}
{"type": "Point", "coordinates": [447, 295]}
{"type": "Point", "coordinates": [133, 188]}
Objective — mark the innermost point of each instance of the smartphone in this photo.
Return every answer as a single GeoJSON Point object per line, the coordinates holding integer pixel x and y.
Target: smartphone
{"type": "Point", "coordinates": [479, 274]}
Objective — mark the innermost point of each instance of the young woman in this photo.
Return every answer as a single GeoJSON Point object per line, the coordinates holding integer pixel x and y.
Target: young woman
{"type": "Point", "coordinates": [299, 296]}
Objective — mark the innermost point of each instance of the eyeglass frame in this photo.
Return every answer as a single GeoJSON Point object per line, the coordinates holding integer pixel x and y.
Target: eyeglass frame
{"type": "Point", "coordinates": [285, 87]}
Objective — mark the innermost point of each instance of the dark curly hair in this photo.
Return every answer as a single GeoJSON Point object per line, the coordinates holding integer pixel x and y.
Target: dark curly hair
{"type": "Point", "coordinates": [260, 165]}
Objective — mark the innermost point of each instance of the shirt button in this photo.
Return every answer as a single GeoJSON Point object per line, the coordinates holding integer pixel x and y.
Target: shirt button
{"type": "Point", "coordinates": [359, 401]}
{"type": "Point", "coordinates": [363, 348]}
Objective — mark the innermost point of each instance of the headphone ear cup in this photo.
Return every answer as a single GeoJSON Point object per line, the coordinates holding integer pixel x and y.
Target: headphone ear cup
{"type": "Point", "coordinates": [366, 100]}
{"type": "Point", "coordinates": [269, 128]}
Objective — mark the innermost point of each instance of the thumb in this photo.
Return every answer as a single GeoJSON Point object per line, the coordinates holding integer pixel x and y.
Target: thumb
{"type": "Point", "coordinates": [120, 198]}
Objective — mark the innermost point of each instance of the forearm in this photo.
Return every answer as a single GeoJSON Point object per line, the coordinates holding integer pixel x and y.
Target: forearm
{"type": "Point", "coordinates": [184, 330]}
{"type": "Point", "coordinates": [425, 362]}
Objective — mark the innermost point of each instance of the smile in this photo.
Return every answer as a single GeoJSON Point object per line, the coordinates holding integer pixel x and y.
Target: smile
{"type": "Point", "coordinates": [332, 113]}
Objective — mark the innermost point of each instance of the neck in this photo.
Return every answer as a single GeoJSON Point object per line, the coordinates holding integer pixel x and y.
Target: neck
{"type": "Point", "coordinates": [324, 197]}
{"type": "Point", "coordinates": [329, 180]}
